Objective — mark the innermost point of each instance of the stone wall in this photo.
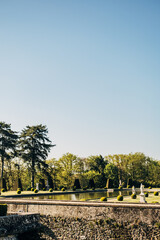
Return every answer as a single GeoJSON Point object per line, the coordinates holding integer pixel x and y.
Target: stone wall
{"type": "Point", "coordinates": [92, 220]}
{"type": "Point", "coordinates": [14, 225]}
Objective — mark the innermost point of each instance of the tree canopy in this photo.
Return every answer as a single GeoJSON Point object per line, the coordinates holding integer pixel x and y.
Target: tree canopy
{"type": "Point", "coordinates": [34, 147]}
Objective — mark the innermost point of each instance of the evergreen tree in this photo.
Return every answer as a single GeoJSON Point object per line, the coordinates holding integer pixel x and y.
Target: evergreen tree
{"type": "Point", "coordinates": [34, 148]}
{"type": "Point", "coordinates": [8, 140]}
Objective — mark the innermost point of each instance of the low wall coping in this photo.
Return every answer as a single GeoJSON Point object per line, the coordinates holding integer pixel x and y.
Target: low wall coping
{"type": "Point", "coordinates": [79, 203]}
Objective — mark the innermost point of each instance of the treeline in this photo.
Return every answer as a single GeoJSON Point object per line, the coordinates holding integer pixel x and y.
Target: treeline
{"type": "Point", "coordinates": [24, 159]}
{"type": "Point", "coordinates": [127, 169]}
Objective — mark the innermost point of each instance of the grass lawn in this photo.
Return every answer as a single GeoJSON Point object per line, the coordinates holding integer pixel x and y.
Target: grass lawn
{"type": "Point", "coordinates": [23, 192]}
{"type": "Point", "coordinates": [150, 199]}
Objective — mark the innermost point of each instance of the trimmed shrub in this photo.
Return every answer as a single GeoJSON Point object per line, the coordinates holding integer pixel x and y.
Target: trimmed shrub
{"type": "Point", "coordinates": [18, 191]}
{"type": "Point", "coordinates": [120, 198]}
{"type": "Point", "coordinates": [3, 190]}
{"type": "Point", "coordinates": [77, 184]}
{"type": "Point", "coordinates": [28, 189]}
{"type": "Point", "coordinates": [133, 196]}
{"type": "Point", "coordinates": [50, 190]}
{"type": "Point", "coordinates": [3, 209]}
{"type": "Point", "coordinates": [44, 189]}
{"type": "Point", "coordinates": [91, 183]}
{"type": "Point", "coordinates": [128, 186]}
{"type": "Point", "coordinates": [74, 188]}
{"type": "Point", "coordinates": [32, 189]}
{"type": "Point", "coordinates": [120, 187]}
{"type": "Point", "coordinates": [156, 193]}
{"type": "Point", "coordinates": [149, 187]}
{"type": "Point", "coordinates": [146, 194]}
{"type": "Point", "coordinates": [103, 199]}
{"type": "Point", "coordinates": [63, 189]}
{"type": "Point", "coordinates": [105, 187]}
{"type": "Point", "coordinates": [35, 191]}
{"type": "Point", "coordinates": [84, 188]}
{"type": "Point", "coordinates": [155, 202]}
{"type": "Point", "coordinates": [83, 199]}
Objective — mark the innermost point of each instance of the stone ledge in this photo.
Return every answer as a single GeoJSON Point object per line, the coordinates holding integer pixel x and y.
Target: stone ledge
{"type": "Point", "coordinates": [79, 203]}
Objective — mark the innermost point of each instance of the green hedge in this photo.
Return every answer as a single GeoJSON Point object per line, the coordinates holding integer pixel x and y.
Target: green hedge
{"type": "Point", "coordinates": [133, 196]}
{"type": "Point", "coordinates": [103, 199]}
{"type": "Point", "coordinates": [3, 209]}
{"type": "Point", "coordinates": [120, 198]}
{"type": "Point", "coordinates": [156, 193]}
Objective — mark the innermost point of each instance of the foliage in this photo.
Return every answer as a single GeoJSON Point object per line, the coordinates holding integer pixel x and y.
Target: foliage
{"type": "Point", "coordinates": [77, 184]}
{"type": "Point", "coordinates": [120, 198]}
{"type": "Point", "coordinates": [50, 190]}
{"type": "Point", "coordinates": [62, 189]}
{"type": "Point", "coordinates": [120, 187]}
{"type": "Point", "coordinates": [128, 186]}
{"type": "Point", "coordinates": [149, 187]}
{"type": "Point", "coordinates": [3, 209]}
{"type": "Point", "coordinates": [35, 190]}
{"type": "Point", "coordinates": [66, 163]}
{"type": "Point", "coordinates": [133, 196]}
{"type": "Point", "coordinates": [146, 194]}
{"type": "Point", "coordinates": [18, 191]}
{"type": "Point", "coordinates": [32, 189]}
{"type": "Point", "coordinates": [103, 199]}
{"type": "Point", "coordinates": [3, 190]}
{"type": "Point", "coordinates": [8, 140]}
{"type": "Point", "coordinates": [111, 172]}
{"type": "Point", "coordinates": [156, 193]}
{"type": "Point", "coordinates": [34, 148]}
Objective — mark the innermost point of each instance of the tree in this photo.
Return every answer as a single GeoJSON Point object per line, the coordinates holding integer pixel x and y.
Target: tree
{"type": "Point", "coordinates": [111, 172]}
{"type": "Point", "coordinates": [67, 162]}
{"type": "Point", "coordinates": [34, 148]}
{"type": "Point", "coordinates": [8, 140]}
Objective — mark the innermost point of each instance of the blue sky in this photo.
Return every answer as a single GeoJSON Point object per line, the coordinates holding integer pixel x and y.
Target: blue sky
{"type": "Point", "coordinates": [88, 70]}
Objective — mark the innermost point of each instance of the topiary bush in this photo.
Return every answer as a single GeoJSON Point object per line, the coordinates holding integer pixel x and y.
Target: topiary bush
{"type": "Point", "coordinates": [83, 199]}
{"type": "Point", "coordinates": [103, 199]}
{"type": "Point", "coordinates": [84, 188]}
{"type": "Point", "coordinates": [156, 193]}
{"type": "Point", "coordinates": [155, 202]}
{"type": "Point", "coordinates": [44, 189]}
{"type": "Point", "coordinates": [18, 191]}
{"type": "Point", "coordinates": [146, 194]}
{"type": "Point", "coordinates": [133, 196]}
{"type": "Point", "coordinates": [32, 189]}
{"type": "Point", "coordinates": [3, 190]}
{"type": "Point", "coordinates": [3, 209]}
{"type": "Point", "coordinates": [77, 184]}
{"type": "Point", "coordinates": [74, 188]}
{"type": "Point", "coordinates": [150, 187]}
{"type": "Point", "coordinates": [120, 187]}
{"type": "Point", "coordinates": [120, 198]}
{"type": "Point", "coordinates": [50, 190]}
{"type": "Point", "coordinates": [35, 191]}
{"type": "Point", "coordinates": [63, 189]}
{"type": "Point", "coordinates": [128, 186]}
{"type": "Point", "coordinates": [28, 189]}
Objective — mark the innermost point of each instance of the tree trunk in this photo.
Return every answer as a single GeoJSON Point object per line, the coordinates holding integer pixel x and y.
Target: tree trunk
{"type": "Point", "coordinates": [2, 160]}
{"type": "Point", "coordinates": [32, 175]}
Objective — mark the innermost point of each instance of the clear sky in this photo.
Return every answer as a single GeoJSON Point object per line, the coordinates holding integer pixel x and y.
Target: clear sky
{"type": "Point", "coordinates": [87, 69]}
